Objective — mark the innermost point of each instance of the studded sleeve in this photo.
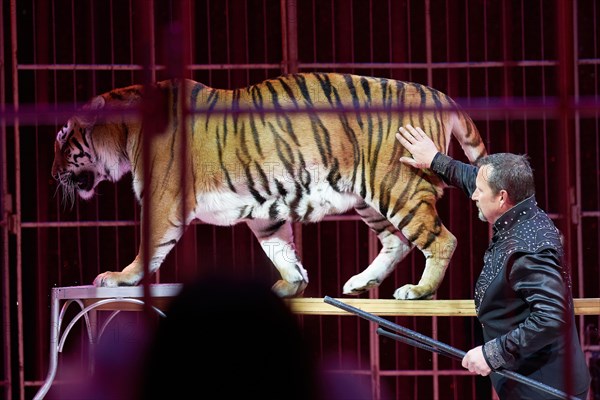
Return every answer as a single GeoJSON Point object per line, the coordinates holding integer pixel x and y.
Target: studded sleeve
{"type": "Point", "coordinates": [455, 173]}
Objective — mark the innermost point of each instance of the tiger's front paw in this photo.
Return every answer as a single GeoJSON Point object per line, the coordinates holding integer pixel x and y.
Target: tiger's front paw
{"type": "Point", "coordinates": [114, 279]}
{"type": "Point", "coordinates": [413, 292]}
{"type": "Point", "coordinates": [359, 284]}
{"type": "Point", "coordinates": [286, 289]}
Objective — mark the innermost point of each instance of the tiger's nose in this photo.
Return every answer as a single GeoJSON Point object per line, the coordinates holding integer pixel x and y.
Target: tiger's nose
{"type": "Point", "coordinates": [56, 171]}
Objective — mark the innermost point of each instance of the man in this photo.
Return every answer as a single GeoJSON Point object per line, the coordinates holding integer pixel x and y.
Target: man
{"type": "Point", "coordinates": [523, 294]}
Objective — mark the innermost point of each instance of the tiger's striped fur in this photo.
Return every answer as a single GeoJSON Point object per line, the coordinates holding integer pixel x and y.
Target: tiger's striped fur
{"type": "Point", "coordinates": [294, 148]}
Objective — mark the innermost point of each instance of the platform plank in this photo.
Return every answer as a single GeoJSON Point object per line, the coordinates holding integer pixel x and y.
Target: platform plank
{"type": "Point", "coordinates": [162, 294]}
{"type": "Point", "coordinates": [428, 308]}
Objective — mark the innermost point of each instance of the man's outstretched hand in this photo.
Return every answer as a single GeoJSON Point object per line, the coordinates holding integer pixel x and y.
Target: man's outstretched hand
{"type": "Point", "coordinates": [421, 147]}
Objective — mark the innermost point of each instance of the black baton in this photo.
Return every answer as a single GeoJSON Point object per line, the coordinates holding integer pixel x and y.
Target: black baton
{"type": "Point", "coordinates": [425, 342]}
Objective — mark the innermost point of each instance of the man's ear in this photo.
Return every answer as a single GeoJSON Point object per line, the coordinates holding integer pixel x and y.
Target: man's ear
{"type": "Point", "coordinates": [504, 199]}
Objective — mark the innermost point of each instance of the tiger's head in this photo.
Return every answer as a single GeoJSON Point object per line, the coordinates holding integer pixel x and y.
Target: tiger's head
{"type": "Point", "coordinates": [87, 151]}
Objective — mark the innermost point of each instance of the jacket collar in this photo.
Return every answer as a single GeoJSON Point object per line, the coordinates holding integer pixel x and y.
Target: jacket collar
{"type": "Point", "coordinates": [524, 210]}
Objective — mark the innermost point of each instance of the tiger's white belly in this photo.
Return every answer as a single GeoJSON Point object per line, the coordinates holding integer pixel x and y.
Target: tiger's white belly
{"type": "Point", "coordinates": [228, 208]}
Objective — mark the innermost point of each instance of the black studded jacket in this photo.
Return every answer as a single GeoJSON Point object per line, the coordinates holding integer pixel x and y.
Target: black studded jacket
{"type": "Point", "coordinates": [523, 297]}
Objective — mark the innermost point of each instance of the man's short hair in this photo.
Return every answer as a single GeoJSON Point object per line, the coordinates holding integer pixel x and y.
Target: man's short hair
{"type": "Point", "coordinates": [510, 172]}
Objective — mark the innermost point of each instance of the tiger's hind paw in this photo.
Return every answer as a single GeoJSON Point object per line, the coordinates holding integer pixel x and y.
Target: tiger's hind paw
{"type": "Point", "coordinates": [413, 292]}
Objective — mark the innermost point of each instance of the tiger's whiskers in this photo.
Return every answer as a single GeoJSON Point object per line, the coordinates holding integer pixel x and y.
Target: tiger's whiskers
{"type": "Point", "coordinates": [68, 189]}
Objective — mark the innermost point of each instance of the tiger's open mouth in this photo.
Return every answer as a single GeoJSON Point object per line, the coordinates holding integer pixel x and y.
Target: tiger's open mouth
{"type": "Point", "coordinates": [84, 181]}
{"type": "Point", "coordinates": [70, 182]}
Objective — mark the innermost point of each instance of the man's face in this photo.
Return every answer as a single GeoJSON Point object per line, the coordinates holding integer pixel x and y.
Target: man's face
{"type": "Point", "coordinates": [488, 202]}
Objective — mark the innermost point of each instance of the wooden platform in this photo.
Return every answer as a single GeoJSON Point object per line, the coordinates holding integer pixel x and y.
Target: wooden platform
{"type": "Point", "coordinates": [162, 294]}
{"type": "Point", "coordinates": [90, 299]}
{"type": "Point", "coordinates": [392, 307]}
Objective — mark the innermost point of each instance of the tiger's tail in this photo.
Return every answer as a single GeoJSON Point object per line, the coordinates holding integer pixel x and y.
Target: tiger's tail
{"type": "Point", "coordinates": [464, 130]}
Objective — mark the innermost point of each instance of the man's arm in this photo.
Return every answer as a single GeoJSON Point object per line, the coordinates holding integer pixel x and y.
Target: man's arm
{"type": "Point", "coordinates": [426, 155]}
{"type": "Point", "coordinates": [537, 278]}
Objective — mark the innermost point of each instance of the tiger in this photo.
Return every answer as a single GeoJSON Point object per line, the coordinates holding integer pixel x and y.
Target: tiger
{"type": "Point", "coordinates": [295, 148]}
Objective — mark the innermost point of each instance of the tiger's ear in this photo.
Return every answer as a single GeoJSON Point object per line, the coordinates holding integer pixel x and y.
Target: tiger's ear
{"type": "Point", "coordinates": [89, 117]}
{"type": "Point", "coordinates": [96, 103]}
